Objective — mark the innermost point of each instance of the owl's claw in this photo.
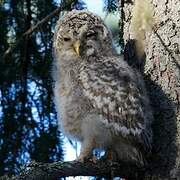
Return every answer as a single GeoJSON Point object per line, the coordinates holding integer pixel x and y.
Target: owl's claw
{"type": "Point", "coordinates": [93, 159]}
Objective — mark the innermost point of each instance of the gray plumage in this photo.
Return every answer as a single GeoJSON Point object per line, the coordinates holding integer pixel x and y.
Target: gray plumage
{"type": "Point", "coordinates": [101, 101]}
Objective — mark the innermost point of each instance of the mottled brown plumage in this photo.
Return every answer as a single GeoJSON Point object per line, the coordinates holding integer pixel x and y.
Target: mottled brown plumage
{"type": "Point", "coordinates": [101, 101]}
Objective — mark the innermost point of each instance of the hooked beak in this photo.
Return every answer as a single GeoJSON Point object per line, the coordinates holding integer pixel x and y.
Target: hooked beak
{"type": "Point", "coordinates": [76, 46]}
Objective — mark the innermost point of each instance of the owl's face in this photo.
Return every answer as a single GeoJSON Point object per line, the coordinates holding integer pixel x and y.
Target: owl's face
{"type": "Point", "coordinates": [82, 34]}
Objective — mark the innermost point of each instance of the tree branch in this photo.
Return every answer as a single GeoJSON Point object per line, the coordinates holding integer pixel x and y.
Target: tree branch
{"type": "Point", "coordinates": [52, 171]}
{"type": "Point", "coordinates": [66, 4]}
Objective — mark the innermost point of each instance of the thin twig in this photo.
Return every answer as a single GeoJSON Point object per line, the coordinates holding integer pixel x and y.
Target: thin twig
{"type": "Point", "coordinates": [63, 6]}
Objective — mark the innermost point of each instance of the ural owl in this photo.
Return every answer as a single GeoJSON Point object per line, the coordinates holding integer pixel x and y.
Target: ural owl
{"type": "Point", "coordinates": [101, 101]}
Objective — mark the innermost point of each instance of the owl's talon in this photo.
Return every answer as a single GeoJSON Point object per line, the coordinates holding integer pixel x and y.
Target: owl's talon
{"type": "Point", "coordinates": [83, 159]}
{"type": "Point", "coordinates": [93, 159]}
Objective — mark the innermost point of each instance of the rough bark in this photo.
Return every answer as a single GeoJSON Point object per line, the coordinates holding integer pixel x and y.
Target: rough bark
{"type": "Point", "coordinates": [161, 67]}
{"type": "Point", "coordinates": [52, 171]}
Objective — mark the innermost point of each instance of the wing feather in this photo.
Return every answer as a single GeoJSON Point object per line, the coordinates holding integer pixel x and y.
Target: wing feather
{"type": "Point", "coordinates": [117, 93]}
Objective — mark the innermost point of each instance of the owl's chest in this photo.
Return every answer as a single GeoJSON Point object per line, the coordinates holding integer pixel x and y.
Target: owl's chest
{"type": "Point", "coordinates": [69, 85]}
{"type": "Point", "coordinates": [71, 102]}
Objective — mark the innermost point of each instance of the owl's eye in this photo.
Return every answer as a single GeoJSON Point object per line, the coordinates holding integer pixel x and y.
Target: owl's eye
{"type": "Point", "coordinates": [90, 34]}
{"type": "Point", "coordinates": [66, 39]}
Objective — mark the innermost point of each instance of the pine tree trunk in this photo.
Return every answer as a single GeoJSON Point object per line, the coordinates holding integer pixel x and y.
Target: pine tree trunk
{"type": "Point", "coordinates": [162, 74]}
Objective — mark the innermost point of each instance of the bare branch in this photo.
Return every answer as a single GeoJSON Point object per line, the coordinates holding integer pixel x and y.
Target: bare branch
{"type": "Point", "coordinates": [66, 4]}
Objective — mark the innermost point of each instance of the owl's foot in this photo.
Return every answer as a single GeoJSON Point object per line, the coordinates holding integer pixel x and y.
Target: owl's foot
{"type": "Point", "coordinates": [85, 155]}
{"type": "Point", "coordinates": [83, 158]}
{"type": "Point", "coordinates": [86, 151]}
{"type": "Point", "coordinates": [93, 159]}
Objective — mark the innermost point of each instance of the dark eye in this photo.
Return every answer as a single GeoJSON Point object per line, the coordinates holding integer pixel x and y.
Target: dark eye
{"type": "Point", "coordinates": [90, 34]}
{"type": "Point", "coordinates": [66, 39]}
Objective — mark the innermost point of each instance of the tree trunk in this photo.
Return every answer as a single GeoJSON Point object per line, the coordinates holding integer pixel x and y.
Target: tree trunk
{"type": "Point", "coordinates": [162, 73]}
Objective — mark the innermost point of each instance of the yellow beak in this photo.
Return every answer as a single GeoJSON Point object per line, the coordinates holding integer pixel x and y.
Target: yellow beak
{"type": "Point", "coordinates": [76, 46]}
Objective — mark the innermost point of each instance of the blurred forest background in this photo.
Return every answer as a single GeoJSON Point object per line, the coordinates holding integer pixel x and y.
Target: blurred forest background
{"type": "Point", "coordinates": [28, 122]}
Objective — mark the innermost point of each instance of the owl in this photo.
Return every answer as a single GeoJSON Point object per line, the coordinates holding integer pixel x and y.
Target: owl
{"type": "Point", "coordinates": [100, 100]}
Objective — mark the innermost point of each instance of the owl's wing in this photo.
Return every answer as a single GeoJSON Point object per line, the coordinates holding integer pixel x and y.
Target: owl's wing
{"type": "Point", "coordinates": [118, 94]}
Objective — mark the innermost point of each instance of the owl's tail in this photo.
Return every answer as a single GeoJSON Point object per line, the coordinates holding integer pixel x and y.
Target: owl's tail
{"type": "Point", "coordinates": [142, 21]}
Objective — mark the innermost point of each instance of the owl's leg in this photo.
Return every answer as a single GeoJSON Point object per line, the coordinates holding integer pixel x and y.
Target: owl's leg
{"type": "Point", "coordinates": [86, 151]}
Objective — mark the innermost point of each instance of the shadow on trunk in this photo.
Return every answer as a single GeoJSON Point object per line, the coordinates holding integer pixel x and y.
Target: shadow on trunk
{"type": "Point", "coordinates": [164, 153]}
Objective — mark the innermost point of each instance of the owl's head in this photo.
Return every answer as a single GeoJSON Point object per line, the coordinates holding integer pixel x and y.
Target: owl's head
{"type": "Point", "coordinates": [82, 34]}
